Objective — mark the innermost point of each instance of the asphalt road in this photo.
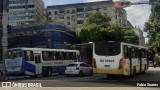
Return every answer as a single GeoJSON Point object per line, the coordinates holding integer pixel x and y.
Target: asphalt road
{"type": "Point", "coordinates": [97, 80]}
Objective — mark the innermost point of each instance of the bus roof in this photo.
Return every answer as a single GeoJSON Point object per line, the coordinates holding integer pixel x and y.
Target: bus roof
{"type": "Point", "coordinates": [134, 45]}
{"type": "Point", "coordinates": [125, 44]}
{"type": "Point", "coordinates": [44, 49]}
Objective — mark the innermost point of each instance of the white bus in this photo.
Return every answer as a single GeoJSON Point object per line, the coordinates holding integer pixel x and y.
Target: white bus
{"type": "Point", "coordinates": [118, 58]}
{"type": "Point", "coordinates": [38, 61]}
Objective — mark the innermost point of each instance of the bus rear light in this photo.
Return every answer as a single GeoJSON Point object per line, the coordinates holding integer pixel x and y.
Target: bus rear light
{"type": "Point", "coordinates": [120, 63]}
{"type": "Point", "coordinates": [94, 63]}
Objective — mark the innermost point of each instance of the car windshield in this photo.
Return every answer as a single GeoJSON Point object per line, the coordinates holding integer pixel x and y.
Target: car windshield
{"type": "Point", "coordinates": [72, 65]}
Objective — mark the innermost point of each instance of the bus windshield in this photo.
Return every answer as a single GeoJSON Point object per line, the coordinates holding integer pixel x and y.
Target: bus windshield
{"type": "Point", "coordinates": [107, 49]}
{"type": "Point", "coordinates": [11, 54]}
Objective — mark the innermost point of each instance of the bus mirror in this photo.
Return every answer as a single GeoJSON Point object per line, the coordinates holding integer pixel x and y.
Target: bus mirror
{"type": "Point", "coordinates": [90, 42]}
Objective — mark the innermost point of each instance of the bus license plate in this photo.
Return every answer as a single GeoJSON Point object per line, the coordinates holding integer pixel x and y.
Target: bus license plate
{"type": "Point", "coordinates": [107, 65]}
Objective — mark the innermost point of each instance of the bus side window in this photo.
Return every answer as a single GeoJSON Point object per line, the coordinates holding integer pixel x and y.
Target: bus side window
{"type": "Point", "coordinates": [45, 55]}
{"type": "Point", "coordinates": [64, 55]}
{"type": "Point", "coordinates": [133, 52]}
{"type": "Point", "coordinates": [29, 56]}
{"type": "Point", "coordinates": [136, 52]}
{"type": "Point", "coordinates": [53, 56]}
{"type": "Point", "coordinates": [144, 53]}
{"type": "Point", "coordinates": [71, 56]}
{"type": "Point", "coordinates": [57, 56]}
{"type": "Point", "coordinates": [67, 56]}
{"type": "Point", "coordinates": [125, 52]}
{"type": "Point", "coordinates": [61, 56]}
{"type": "Point", "coordinates": [74, 56]}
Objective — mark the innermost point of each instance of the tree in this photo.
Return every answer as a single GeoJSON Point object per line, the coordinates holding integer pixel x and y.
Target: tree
{"type": "Point", "coordinates": [98, 29]}
{"type": "Point", "coordinates": [94, 27]}
{"type": "Point", "coordinates": [152, 27]}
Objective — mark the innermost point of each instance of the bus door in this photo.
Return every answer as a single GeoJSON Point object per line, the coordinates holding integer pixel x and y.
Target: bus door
{"type": "Point", "coordinates": [140, 58]}
{"type": "Point", "coordinates": [130, 58]}
{"type": "Point", "coordinates": [38, 65]}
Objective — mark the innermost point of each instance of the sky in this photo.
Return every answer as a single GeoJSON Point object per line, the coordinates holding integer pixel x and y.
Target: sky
{"type": "Point", "coordinates": [136, 14]}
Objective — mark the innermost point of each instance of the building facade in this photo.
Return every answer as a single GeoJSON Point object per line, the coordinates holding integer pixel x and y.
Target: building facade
{"type": "Point", "coordinates": [23, 12]}
{"type": "Point", "coordinates": [74, 15]}
{"type": "Point", "coordinates": [3, 27]}
{"type": "Point", "coordinates": [1, 11]}
{"type": "Point", "coordinates": [43, 36]}
{"type": "Point", "coordinates": [139, 33]}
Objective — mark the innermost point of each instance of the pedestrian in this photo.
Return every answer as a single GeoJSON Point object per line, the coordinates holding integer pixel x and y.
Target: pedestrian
{"type": "Point", "coordinates": [155, 64]}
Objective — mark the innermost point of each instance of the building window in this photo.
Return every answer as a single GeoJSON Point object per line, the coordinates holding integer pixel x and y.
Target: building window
{"type": "Point", "coordinates": [30, 6]}
{"type": "Point", "coordinates": [73, 11]}
{"type": "Point", "coordinates": [68, 17]}
{"type": "Point", "coordinates": [61, 11]}
{"type": "Point", "coordinates": [105, 14]}
{"type": "Point", "coordinates": [56, 18]}
{"type": "Point", "coordinates": [88, 14]}
{"type": "Point", "coordinates": [49, 12]}
{"type": "Point", "coordinates": [80, 9]}
{"type": "Point", "coordinates": [104, 8]}
{"type": "Point", "coordinates": [68, 23]}
{"type": "Point", "coordinates": [61, 17]}
{"type": "Point", "coordinates": [89, 9]}
{"type": "Point", "coordinates": [80, 15]}
{"type": "Point", "coordinates": [80, 21]}
{"type": "Point", "coordinates": [55, 12]}
{"type": "Point", "coordinates": [68, 11]}
{"type": "Point", "coordinates": [50, 19]}
{"type": "Point", "coordinates": [97, 8]}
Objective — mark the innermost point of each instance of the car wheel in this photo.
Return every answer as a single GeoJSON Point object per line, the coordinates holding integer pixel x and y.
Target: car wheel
{"type": "Point", "coordinates": [80, 73]}
{"type": "Point", "coordinates": [67, 75]}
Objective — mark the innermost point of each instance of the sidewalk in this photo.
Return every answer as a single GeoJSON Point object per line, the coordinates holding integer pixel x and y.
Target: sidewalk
{"type": "Point", "coordinates": [84, 88]}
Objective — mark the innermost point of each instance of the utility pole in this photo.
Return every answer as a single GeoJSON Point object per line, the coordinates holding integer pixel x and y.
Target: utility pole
{"type": "Point", "coordinates": [4, 27]}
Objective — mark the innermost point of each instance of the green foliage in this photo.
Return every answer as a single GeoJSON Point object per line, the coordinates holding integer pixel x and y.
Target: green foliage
{"type": "Point", "coordinates": [156, 58]}
{"type": "Point", "coordinates": [152, 27]}
{"type": "Point", "coordinates": [97, 28]}
{"type": "Point", "coordinates": [98, 19]}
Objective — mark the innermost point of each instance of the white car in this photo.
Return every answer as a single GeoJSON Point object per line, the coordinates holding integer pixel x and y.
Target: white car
{"type": "Point", "coordinates": [78, 68]}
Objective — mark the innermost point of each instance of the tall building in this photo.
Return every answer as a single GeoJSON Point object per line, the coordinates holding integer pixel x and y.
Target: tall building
{"type": "Point", "coordinates": [1, 11]}
{"type": "Point", "coordinates": [23, 12]}
{"type": "Point", "coordinates": [74, 15]}
{"type": "Point", "coordinates": [3, 27]}
{"type": "Point", "coordinates": [139, 33]}
{"type": "Point", "coordinates": [44, 35]}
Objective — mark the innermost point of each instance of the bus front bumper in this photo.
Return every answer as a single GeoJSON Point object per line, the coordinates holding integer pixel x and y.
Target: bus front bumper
{"type": "Point", "coordinates": [108, 71]}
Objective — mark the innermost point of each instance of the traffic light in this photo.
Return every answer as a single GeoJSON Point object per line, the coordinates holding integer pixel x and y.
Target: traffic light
{"type": "Point", "coordinates": [122, 4]}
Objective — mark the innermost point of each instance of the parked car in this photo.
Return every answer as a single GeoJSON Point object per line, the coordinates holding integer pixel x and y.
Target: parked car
{"type": "Point", "coordinates": [156, 64]}
{"type": "Point", "coordinates": [78, 68]}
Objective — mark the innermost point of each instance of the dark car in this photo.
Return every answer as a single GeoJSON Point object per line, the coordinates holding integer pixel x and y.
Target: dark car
{"type": "Point", "coordinates": [156, 64]}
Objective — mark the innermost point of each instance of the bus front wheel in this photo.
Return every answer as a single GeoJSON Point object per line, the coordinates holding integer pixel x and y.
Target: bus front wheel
{"type": "Point", "coordinates": [49, 72]}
